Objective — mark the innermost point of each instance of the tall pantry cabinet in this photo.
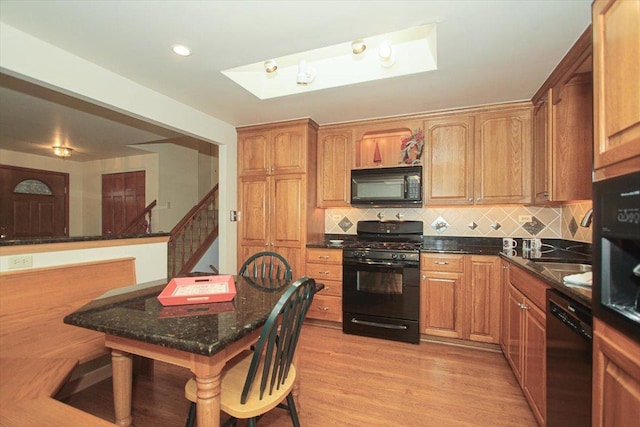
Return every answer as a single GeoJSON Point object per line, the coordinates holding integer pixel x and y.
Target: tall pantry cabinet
{"type": "Point", "coordinates": [277, 191]}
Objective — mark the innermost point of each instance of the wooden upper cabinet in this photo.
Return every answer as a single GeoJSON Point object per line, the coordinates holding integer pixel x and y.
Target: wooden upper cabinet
{"type": "Point", "coordinates": [570, 151]}
{"type": "Point", "coordinates": [272, 149]}
{"type": "Point", "coordinates": [289, 150]}
{"type": "Point", "coordinates": [448, 160]}
{"type": "Point", "coordinates": [254, 153]}
{"type": "Point", "coordinates": [563, 128]}
{"type": "Point", "coordinates": [541, 149]}
{"type": "Point", "coordinates": [616, 68]}
{"type": "Point", "coordinates": [334, 167]}
{"type": "Point", "coordinates": [503, 157]}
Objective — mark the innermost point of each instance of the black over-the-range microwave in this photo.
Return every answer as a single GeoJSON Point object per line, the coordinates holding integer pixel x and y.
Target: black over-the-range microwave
{"type": "Point", "coordinates": [387, 186]}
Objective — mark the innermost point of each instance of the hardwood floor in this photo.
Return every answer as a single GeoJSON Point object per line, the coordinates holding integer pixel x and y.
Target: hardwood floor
{"type": "Point", "coordinates": [355, 381]}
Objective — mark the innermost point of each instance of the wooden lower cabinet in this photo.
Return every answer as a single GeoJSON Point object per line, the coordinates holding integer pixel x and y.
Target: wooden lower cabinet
{"type": "Point", "coordinates": [441, 305]}
{"type": "Point", "coordinates": [616, 378]}
{"type": "Point", "coordinates": [524, 342]}
{"type": "Point", "coordinates": [483, 298]}
{"type": "Point", "coordinates": [460, 296]}
{"type": "Point", "coordinates": [325, 266]}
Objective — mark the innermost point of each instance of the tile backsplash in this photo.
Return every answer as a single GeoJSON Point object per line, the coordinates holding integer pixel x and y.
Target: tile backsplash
{"type": "Point", "coordinates": [477, 221]}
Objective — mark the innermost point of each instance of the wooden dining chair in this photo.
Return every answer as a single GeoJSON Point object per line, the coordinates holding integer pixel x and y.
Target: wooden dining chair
{"type": "Point", "coordinates": [263, 379]}
{"type": "Point", "coordinates": [266, 265]}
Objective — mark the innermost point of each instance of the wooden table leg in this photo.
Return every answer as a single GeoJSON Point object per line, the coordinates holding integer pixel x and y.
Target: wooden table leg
{"type": "Point", "coordinates": [122, 379]}
{"type": "Point", "coordinates": [208, 404]}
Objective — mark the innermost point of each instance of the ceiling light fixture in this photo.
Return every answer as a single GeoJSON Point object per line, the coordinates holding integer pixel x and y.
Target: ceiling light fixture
{"type": "Point", "coordinates": [181, 50]}
{"type": "Point", "coordinates": [385, 54]}
{"type": "Point", "coordinates": [358, 46]}
{"type": "Point", "coordinates": [305, 74]}
{"type": "Point", "coordinates": [270, 66]}
{"type": "Point", "coordinates": [62, 151]}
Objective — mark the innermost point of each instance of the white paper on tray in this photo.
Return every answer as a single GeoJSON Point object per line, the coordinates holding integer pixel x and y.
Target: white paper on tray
{"type": "Point", "coordinates": [200, 289]}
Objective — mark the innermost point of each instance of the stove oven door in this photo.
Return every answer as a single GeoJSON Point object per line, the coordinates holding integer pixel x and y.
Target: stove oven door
{"type": "Point", "coordinates": [381, 300]}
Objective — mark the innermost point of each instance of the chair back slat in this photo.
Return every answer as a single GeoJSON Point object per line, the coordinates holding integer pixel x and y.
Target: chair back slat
{"type": "Point", "coordinates": [266, 265]}
{"type": "Point", "coordinates": [276, 346]}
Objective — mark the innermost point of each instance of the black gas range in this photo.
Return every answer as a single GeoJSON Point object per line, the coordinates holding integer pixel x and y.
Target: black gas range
{"type": "Point", "coordinates": [381, 281]}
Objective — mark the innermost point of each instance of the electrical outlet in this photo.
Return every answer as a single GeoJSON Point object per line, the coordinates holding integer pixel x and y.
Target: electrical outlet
{"type": "Point", "coordinates": [524, 218]}
{"type": "Point", "coordinates": [20, 261]}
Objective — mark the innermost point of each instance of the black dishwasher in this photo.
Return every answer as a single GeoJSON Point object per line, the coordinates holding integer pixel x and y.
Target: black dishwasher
{"type": "Point", "coordinates": [569, 357]}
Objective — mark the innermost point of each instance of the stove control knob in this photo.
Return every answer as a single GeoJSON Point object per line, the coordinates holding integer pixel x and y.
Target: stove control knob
{"type": "Point", "coordinates": [403, 256]}
{"type": "Point", "coordinates": [394, 256]}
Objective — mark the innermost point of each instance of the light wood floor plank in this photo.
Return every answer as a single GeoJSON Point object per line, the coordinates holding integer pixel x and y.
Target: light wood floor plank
{"type": "Point", "coordinates": [356, 381]}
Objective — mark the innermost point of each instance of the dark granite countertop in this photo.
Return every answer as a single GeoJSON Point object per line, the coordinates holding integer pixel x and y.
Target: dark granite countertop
{"type": "Point", "coordinates": [37, 241]}
{"type": "Point", "coordinates": [201, 328]}
{"type": "Point", "coordinates": [554, 250]}
{"type": "Point", "coordinates": [554, 278]}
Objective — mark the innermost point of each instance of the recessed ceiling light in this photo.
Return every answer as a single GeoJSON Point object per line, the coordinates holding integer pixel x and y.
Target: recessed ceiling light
{"type": "Point", "coordinates": [385, 54]}
{"type": "Point", "coordinates": [181, 50]}
{"type": "Point", "coordinates": [270, 66]}
{"type": "Point", "coordinates": [358, 46]}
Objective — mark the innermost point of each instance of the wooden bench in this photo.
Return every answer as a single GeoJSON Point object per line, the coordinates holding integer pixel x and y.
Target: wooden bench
{"type": "Point", "coordinates": [38, 352]}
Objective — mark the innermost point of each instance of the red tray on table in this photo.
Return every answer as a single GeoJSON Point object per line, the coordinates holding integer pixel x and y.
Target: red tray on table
{"type": "Point", "coordinates": [198, 290]}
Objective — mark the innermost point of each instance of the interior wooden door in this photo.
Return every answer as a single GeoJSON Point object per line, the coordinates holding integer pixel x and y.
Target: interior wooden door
{"type": "Point", "coordinates": [33, 203]}
{"type": "Point", "coordinates": [123, 198]}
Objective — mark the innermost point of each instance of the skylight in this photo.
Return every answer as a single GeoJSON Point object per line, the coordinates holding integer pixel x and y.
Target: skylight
{"type": "Point", "coordinates": [413, 51]}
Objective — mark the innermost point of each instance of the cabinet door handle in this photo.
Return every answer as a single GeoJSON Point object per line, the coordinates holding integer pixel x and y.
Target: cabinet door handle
{"type": "Point", "coordinates": [324, 272]}
{"type": "Point", "coordinates": [441, 262]}
{"type": "Point", "coordinates": [323, 308]}
{"type": "Point", "coordinates": [323, 257]}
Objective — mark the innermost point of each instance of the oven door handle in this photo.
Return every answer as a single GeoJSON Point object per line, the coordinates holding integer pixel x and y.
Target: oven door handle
{"type": "Point", "coordinates": [382, 264]}
{"type": "Point", "coordinates": [377, 325]}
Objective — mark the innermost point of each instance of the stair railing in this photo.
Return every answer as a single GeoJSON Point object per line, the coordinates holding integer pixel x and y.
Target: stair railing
{"type": "Point", "coordinates": [141, 224]}
{"type": "Point", "coordinates": [193, 235]}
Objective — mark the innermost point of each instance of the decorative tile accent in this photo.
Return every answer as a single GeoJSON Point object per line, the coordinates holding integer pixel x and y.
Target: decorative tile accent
{"type": "Point", "coordinates": [496, 226]}
{"type": "Point", "coordinates": [534, 227]}
{"type": "Point", "coordinates": [345, 224]}
{"type": "Point", "coordinates": [440, 225]}
{"type": "Point", "coordinates": [573, 227]}
{"type": "Point", "coordinates": [549, 223]}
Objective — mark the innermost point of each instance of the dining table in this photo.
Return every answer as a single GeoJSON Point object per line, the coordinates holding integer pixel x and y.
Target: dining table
{"type": "Point", "coordinates": [200, 337]}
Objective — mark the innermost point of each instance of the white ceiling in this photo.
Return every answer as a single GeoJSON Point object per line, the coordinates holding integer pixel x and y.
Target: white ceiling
{"type": "Point", "coordinates": [488, 52]}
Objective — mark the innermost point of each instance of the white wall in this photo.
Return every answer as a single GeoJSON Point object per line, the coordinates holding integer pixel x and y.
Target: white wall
{"type": "Point", "coordinates": [34, 60]}
{"type": "Point", "coordinates": [146, 254]}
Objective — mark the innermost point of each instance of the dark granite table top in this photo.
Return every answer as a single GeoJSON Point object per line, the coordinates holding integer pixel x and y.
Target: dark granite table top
{"type": "Point", "coordinates": [200, 328]}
